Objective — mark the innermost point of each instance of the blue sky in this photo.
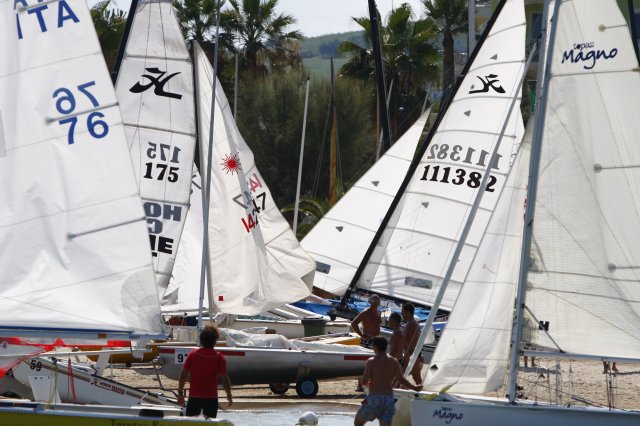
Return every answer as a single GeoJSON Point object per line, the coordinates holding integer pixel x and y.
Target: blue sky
{"type": "Point", "coordinates": [317, 17]}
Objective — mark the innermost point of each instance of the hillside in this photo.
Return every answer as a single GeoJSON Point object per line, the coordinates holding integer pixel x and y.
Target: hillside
{"type": "Point", "coordinates": [316, 52]}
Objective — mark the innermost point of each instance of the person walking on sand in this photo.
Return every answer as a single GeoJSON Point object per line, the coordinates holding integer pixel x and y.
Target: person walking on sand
{"type": "Point", "coordinates": [411, 336]}
{"type": "Point", "coordinates": [379, 373]}
{"type": "Point", "coordinates": [207, 368]}
{"type": "Point", "coordinates": [370, 319]}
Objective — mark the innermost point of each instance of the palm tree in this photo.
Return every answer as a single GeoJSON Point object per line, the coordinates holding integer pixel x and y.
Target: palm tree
{"type": "Point", "coordinates": [109, 24]}
{"type": "Point", "coordinates": [197, 19]}
{"type": "Point", "coordinates": [449, 17]}
{"type": "Point", "coordinates": [261, 35]}
{"type": "Point", "coordinates": [310, 211]}
{"type": "Point", "coordinates": [409, 57]}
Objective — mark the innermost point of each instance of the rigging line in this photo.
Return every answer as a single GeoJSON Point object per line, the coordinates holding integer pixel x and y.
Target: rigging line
{"type": "Point", "coordinates": [71, 236]}
{"type": "Point", "coordinates": [322, 146]}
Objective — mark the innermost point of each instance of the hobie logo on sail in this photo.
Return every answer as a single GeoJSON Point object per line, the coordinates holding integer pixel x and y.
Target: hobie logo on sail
{"type": "Point", "coordinates": [490, 81]}
{"type": "Point", "coordinates": [157, 83]}
{"type": "Point", "coordinates": [586, 53]}
{"type": "Point", "coordinates": [56, 16]}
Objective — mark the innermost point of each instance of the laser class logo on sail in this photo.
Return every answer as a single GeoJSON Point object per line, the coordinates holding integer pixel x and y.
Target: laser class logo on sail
{"type": "Point", "coordinates": [587, 54]}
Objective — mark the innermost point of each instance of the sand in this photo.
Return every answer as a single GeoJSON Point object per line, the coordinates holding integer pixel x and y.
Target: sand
{"type": "Point", "coordinates": [578, 379]}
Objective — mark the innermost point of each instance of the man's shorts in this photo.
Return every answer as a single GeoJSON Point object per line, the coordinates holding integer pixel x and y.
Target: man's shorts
{"type": "Point", "coordinates": [381, 407]}
{"type": "Point", "coordinates": [209, 407]}
{"type": "Point", "coordinates": [366, 341]}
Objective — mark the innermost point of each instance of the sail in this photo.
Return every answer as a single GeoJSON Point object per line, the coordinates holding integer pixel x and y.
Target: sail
{"type": "Point", "coordinates": [472, 354]}
{"type": "Point", "coordinates": [339, 241]}
{"type": "Point", "coordinates": [414, 249]}
{"type": "Point", "coordinates": [155, 91]}
{"type": "Point", "coordinates": [256, 261]}
{"type": "Point", "coordinates": [183, 292]}
{"type": "Point", "coordinates": [584, 275]}
{"type": "Point", "coordinates": [75, 258]}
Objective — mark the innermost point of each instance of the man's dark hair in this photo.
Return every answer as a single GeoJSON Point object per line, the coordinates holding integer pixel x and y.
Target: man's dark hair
{"type": "Point", "coordinates": [208, 336]}
{"type": "Point", "coordinates": [380, 343]}
{"type": "Point", "coordinates": [396, 316]}
{"type": "Point", "coordinates": [408, 306]}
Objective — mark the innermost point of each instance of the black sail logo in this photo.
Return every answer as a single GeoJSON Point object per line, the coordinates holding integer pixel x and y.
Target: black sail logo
{"type": "Point", "coordinates": [157, 81]}
{"type": "Point", "coordinates": [488, 82]}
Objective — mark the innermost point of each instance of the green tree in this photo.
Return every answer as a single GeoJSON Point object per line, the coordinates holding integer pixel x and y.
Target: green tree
{"type": "Point", "coordinates": [450, 18]}
{"type": "Point", "coordinates": [261, 35]}
{"type": "Point", "coordinates": [310, 211]}
{"type": "Point", "coordinates": [109, 24]}
{"type": "Point", "coordinates": [410, 60]}
{"type": "Point", "coordinates": [197, 19]}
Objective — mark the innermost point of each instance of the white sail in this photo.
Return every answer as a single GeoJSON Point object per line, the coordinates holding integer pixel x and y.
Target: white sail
{"type": "Point", "coordinates": [584, 277]}
{"type": "Point", "coordinates": [339, 241]}
{"type": "Point", "coordinates": [256, 261]}
{"type": "Point", "coordinates": [415, 248]}
{"type": "Point", "coordinates": [155, 90]}
{"type": "Point", "coordinates": [472, 354]}
{"type": "Point", "coordinates": [75, 257]}
{"type": "Point", "coordinates": [183, 292]}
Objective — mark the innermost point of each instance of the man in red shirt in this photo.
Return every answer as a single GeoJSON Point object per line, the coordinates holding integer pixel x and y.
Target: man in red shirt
{"type": "Point", "coordinates": [207, 368]}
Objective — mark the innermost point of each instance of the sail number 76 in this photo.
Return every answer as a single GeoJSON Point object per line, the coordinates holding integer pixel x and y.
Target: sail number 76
{"type": "Point", "coordinates": [66, 105]}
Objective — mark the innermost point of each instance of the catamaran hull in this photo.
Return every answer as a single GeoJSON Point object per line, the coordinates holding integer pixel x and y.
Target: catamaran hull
{"type": "Point", "coordinates": [267, 366]}
{"type": "Point", "coordinates": [500, 413]}
{"type": "Point", "coordinates": [78, 386]}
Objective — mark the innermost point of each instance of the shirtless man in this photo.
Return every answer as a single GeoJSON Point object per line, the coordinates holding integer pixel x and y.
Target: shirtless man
{"type": "Point", "coordinates": [396, 342]}
{"type": "Point", "coordinates": [380, 372]}
{"type": "Point", "coordinates": [411, 335]}
{"type": "Point", "coordinates": [370, 319]}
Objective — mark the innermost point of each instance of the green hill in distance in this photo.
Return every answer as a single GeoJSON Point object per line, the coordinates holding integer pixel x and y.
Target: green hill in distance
{"type": "Point", "coordinates": [316, 52]}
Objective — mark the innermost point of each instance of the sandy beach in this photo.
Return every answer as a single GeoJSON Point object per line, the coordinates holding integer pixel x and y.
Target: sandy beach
{"type": "Point", "coordinates": [579, 382]}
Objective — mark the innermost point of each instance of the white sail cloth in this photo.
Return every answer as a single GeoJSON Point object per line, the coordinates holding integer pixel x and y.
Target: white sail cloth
{"type": "Point", "coordinates": [339, 241]}
{"type": "Point", "coordinates": [183, 292]}
{"type": "Point", "coordinates": [472, 354]}
{"type": "Point", "coordinates": [415, 249]}
{"type": "Point", "coordinates": [155, 91]}
{"type": "Point", "coordinates": [75, 254]}
{"type": "Point", "coordinates": [256, 261]}
{"type": "Point", "coordinates": [584, 279]}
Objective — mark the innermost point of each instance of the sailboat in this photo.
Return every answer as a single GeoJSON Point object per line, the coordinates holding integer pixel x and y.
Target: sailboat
{"type": "Point", "coordinates": [576, 283]}
{"type": "Point", "coordinates": [475, 136]}
{"type": "Point", "coordinates": [79, 265]}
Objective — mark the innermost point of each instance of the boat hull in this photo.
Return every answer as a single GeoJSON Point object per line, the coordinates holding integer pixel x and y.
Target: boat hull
{"type": "Point", "coordinates": [266, 366]}
{"type": "Point", "coordinates": [501, 413]}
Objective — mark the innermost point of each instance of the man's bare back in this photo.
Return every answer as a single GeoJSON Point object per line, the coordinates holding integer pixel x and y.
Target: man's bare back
{"type": "Point", "coordinates": [383, 370]}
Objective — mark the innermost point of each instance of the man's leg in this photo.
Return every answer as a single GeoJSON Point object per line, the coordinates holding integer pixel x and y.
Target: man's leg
{"type": "Point", "coordinates": [193, 407]}
{"type": "Point", "coordinates": [359, 421]}
{"type": "Point", "coordinates": [210, 408]}
{"type": "Point", "coordinates": [416, 373]}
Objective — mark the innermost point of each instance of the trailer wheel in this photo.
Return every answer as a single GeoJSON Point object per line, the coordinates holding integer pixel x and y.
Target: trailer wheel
{"type": "Point", "coordinates": [307, 387]}
{"type": "Point", "coordinates": [279, 388]}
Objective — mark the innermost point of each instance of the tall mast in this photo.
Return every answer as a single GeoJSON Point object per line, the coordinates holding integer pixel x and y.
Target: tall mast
{"type": "Point", "coordinates": [207, 186]}
{"type": "Point", "coordinates": [382, 91]}
{"type": "Point", "coordinates": [633, 27]}
{"type": "Point", "coordinates": [416, 161]}
{"type": "Point", "coordinates": [541, 106]}
{"type": "Point", "coordinates": [333, 147]}
{"type": "Point", "coordinates": [123, 42]}
{"type": "Point", "coordinates": [304, 130]}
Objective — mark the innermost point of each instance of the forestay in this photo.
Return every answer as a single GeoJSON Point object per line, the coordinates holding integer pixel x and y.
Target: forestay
{"type": "Point", "coordinates": [155, 90]}
{"type": "Point", "coordinates": [415, 248]}
{"type": "Point", "coordinates": [256, 261]}
{"type": "Point", "coordinates": [472, 354]}
{"type": "Point", "coordinates": [75, 258]}
{"type": "Point", "coordinates": [339, 241]}
{"type": "Point", "coordinates": [584, 278]}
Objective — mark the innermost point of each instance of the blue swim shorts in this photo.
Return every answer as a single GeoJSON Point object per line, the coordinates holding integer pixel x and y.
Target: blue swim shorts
{"type": "Point", "coordinates": [381, 407]}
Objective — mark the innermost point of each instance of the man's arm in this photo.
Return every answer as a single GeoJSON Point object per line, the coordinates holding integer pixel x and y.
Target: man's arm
{"type": "Point", "coordinates": [404, 382]}
{"type": "Point", "coordinates": [181, 381]}
{"type": "Point", "coordinates": [366, 376]}
{"type": "Point", "coordinates": [355, 324]}
{"type": "Point", "coordinates": [226, 385]}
